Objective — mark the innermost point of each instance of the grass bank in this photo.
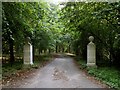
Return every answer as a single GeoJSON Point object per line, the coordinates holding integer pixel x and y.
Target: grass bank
{"type": "Point", "coordinates": [107, 75]}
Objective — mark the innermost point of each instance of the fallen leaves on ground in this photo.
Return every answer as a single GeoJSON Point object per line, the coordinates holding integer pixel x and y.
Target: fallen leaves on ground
{"type": "Point", "coordinates": [59, 75]}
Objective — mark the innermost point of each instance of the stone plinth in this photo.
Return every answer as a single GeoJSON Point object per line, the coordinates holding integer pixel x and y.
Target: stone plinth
{"type": "Point", "coordinates": [28, 56]}
{"type": "Point", "coordinates": [91, 53]}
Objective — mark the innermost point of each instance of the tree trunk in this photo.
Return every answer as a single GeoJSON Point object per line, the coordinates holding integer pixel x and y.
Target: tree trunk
{"type": "Point", "coordinates": [59, 48]}
{"type": "Point", "coordinates": [11, 43]}
{"type": "Point", "coordinates": [39, 51]}
{"type": "Point", "coordinates": [111, 48]}
{"type": "Point", "coordinates": [56, 47]}
{"type": "Point", "coordinates": [69, 49]}
{"type": "Point", "coordinates": [12, 59]}
{"type": "Point", "coordinates": [63, 49]}
{"type": "Point", "coordinates": [111, 57]}
{"type": "Point", "coordinates": [49, 50]}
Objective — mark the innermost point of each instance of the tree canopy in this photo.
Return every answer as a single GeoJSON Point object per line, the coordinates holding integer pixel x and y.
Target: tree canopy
{"type": "Point", "coordinates": [99, 19]}
{"type": "Point", "coordinates": [62, 30]}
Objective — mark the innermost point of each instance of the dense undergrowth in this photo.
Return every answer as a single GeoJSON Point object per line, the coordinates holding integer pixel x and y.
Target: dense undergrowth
{"type": "Point", "coordinates": [107, 75]}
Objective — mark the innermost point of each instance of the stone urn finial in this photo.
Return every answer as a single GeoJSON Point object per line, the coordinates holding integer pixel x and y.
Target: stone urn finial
{"type": "Point", "coordinates": [27, 40]}
{"type": "Point", "coordinates": [91, 38]}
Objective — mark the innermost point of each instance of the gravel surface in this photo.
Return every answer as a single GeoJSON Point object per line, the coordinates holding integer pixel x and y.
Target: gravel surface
{"type": "Point", "coordinates": [60, 73]}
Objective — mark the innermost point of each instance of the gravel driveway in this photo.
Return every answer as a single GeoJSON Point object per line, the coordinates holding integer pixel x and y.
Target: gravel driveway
{"type": "Point", "coordinates": [60, 73]}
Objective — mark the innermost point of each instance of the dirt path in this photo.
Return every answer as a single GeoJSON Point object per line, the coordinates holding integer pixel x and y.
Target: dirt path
{"type": "Point", "coordinates": [60, 73]}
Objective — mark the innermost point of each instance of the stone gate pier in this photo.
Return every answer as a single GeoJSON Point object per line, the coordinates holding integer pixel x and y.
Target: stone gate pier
{"type": "Point", "coordinates": [91, 53]}
{"type": "Point", "coordinates": [28, 52]}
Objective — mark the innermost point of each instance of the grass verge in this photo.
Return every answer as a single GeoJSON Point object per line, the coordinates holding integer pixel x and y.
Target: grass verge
{"type": "Point", "coordinates": [19, 69]}
{"type": "Point", "coordinates": [107, 75]}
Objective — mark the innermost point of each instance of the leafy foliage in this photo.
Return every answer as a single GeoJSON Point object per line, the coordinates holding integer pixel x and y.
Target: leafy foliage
{"type": "Point", "coordinates": [100, 19]}
{"type": "Point", "coordinates": [107, 75]}
{"type": "Point", "coordinates": [22, 20]}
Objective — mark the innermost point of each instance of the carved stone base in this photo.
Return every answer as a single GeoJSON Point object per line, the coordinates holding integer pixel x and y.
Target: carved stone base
{"type": "Point", "coordinates": [91, 65]}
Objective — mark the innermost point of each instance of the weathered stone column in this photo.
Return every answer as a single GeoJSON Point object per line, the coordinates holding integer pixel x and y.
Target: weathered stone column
{"type": "Point", "coordinates": [91, 53]}
{"type": "Point", "coordinates": [28, 56]}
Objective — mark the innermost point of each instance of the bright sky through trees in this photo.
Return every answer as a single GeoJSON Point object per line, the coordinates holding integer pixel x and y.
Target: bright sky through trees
{"type": "Point", "coordinates": [56, 1]}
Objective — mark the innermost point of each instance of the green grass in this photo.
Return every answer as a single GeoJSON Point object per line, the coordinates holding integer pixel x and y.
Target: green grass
{"type": "Point", "coordinates": [108, 75]}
